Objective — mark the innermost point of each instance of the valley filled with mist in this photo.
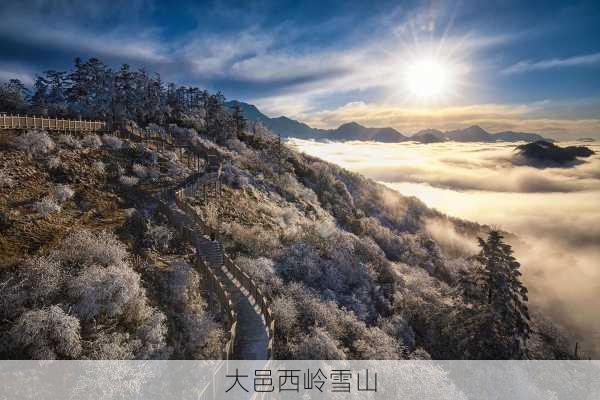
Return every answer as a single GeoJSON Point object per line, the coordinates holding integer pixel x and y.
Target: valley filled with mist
{"type": "Point", "coordinates": [554, 212]}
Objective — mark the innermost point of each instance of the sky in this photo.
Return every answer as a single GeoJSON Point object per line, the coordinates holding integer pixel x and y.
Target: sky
{"type": "Point", "coordinates": [527, 66]}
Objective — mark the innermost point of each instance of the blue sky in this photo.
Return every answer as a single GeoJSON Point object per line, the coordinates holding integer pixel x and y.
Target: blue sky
{"type": "Point", "coordinates": [502, 64]}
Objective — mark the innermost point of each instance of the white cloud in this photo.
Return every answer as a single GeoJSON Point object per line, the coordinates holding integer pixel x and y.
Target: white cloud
{"type": "Point", "coordinates": [6, 75]}
{"type": "Point", "coordinates": [576, 61]}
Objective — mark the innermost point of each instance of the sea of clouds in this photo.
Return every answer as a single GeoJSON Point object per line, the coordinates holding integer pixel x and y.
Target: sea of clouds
{"type": "Point", "coordinates": [554, 211]}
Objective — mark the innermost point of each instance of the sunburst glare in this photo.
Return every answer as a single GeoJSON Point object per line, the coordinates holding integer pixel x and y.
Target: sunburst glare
{"type": "Point", "coordinates": [428, 78]}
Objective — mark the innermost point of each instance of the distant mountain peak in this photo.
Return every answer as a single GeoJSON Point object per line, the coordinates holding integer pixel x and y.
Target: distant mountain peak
{"type": "Point", "coordinates": [476, 128]}
{"type": "Point", "coordinates": [351, 124]}
{"type": "Point", "coordinates": [288, 127]}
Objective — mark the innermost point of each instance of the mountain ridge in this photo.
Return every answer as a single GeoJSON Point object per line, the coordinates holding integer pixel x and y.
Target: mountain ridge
{"type": "Point", "coordinates": [291, 128]}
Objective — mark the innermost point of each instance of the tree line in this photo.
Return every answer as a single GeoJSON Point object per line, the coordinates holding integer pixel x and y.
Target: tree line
{"type": "Point", "coordinates": [93, 90]}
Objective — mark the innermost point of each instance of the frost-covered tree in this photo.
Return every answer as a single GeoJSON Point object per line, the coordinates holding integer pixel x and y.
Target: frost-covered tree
{"type": "Point", "coordinates": [318, 345]}
{"type": "Point", "coordinates": [496, 317]}
{"type": "Point", "coordinates": [57, 82]}
{"type": "Point", "coordinates": [13, 96]}
{"type": "Point", "coordinates": [195, 334]}
{"type": "Point", "coordinates": [238, 120]}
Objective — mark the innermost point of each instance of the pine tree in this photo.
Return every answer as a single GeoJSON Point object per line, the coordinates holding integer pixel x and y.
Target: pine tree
{"type": "Point", "coordinates": [13, 96]}
{"type": "Point", "coordinates": [239, 122]}
{"type": "Point", "coordinates": [495, 319]}
{"type": "Point", "coordinates": [57, 98]}
{"type": "Point", "coordinates": [39, 100]}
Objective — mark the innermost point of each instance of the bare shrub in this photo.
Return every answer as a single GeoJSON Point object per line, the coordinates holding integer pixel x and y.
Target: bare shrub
{"type": "Point", "coordinates": [234, 176]}
{"type": "Point", "coordinates": [397, 326]}
{"type": "Point", "coordinates": [183, 133]}
{"type": "Point", "coordinates": [99, 167]}
{"type": "Point", "coordinates": [152, 333]}
{"type": "Point", "coordinates": [36, 283]}
{"type": "Point", "coordinates": [128, 181]}
{"type": "Point", "coordinates": [285, 313]}
{"type": "Point", "coordinates": [42, 279]}
{"type": "Point", "coordinates": [289, 184]}
{"type": "Point", "coordinates": [5, 179]}
{"type": "Point", "coordinates": [159, 235]}
{"type": "Point", "coordinates": [112, 142]}
{"type": "Point", "coordinates": [120, 170]}
{"type": "Point", "coordinates": [47, 334]}
{"type": "Point", "coordinates": [46, 206]}
{"type": "Point", "coordinates": [107, 292]}
{"type": "Point", "coordinates": [111, 346]}
{"type": "Point", "coordinates": [140, 171]}
{"type": "Point", "coordinates": [87, 248]}
{"type": "Point", "coordinates": [171, 155]}
{"type": "Point", "coordinates": [210, 215]}
{"type": "Point", "coordinates": [69, 141]}
{"type": "Point", "coordinates": [196, 335]}
{"type": "Point", "coordinates": [318, 345]}
{"type": "Point", "coordinates": [91, 142]}
{"type": "Point", "coordinates": [255, 239]}
{"type": "Point", "coordinates": [34, 142]}
{"type": "Point", "coordinates": [62, 193]}
{"type": "Point", "coordinates": [54, 163]}
{"type": "Point", "coordinates": [262, 271]}
{"type": "Point", "coordinates": [374, 344]}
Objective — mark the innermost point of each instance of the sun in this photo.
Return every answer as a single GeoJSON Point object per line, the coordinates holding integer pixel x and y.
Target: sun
{"type": "Point", "coordinates": [428, 79]}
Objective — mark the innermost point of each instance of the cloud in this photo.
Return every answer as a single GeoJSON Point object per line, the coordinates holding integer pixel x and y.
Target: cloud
{"type": "Point", "coordinates": [453, 243]}
{"type": "Point", "coordinates": [6, 75]}
{"type": "Point", "coordinates": [576, 61]}
{"type": "Point", "coordinates": [503, 180]}
{"type": "Point", "coordinates": [457, 167]}
{"type": "Point", "coordinates": [554, 213]}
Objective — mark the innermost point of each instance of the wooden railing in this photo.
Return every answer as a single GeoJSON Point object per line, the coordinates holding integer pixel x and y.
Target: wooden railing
{"type": "Point", "coordinates": [213, 284]}
{"type": "Point", "coordinates": [261, 299]}
{"type": "Point", "coordinates": [52, 124]}
{"type": "Point", "coordinates": [242, 277]}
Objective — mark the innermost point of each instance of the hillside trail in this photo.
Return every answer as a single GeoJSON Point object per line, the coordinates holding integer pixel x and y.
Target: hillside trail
{"type": "Point", "coordinates": [252, 339]}
{"type": "Point", "coordinates": [252, 334]}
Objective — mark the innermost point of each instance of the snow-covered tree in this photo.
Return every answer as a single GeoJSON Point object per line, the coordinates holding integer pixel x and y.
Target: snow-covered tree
{"type": "Point", "coordinates": [496, 318]}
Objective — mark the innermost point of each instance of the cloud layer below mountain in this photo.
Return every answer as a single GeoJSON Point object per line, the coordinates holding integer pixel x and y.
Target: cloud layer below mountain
{"type": "Point", "coordinates": [554, 211]}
